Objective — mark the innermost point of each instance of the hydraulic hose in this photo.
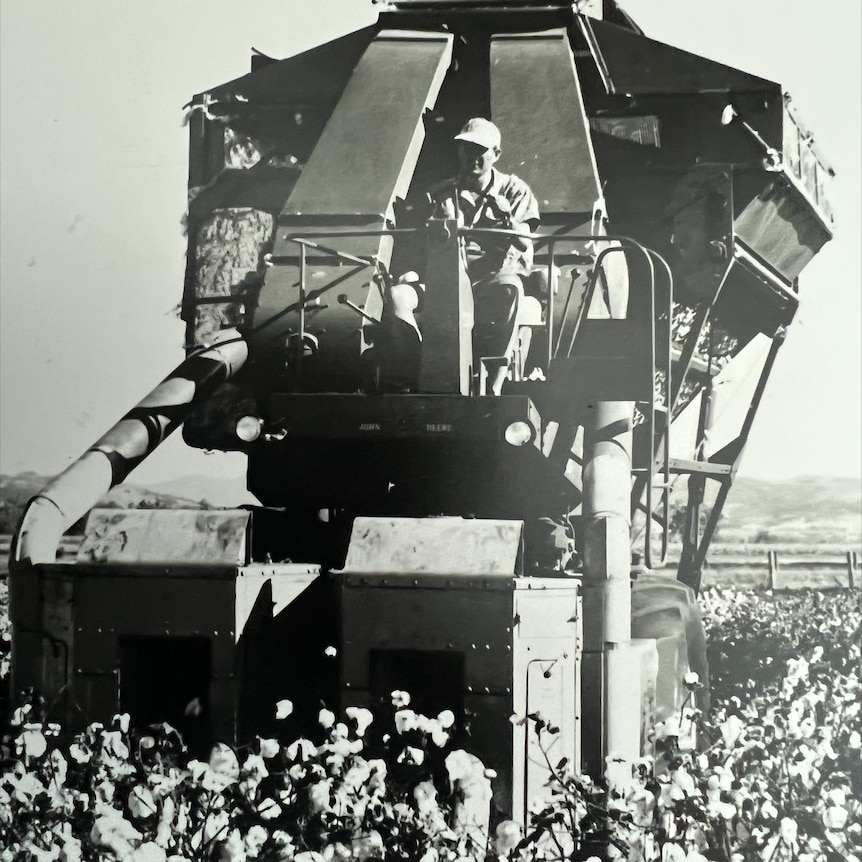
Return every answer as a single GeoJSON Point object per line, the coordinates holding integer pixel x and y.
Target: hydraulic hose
{"type": "Point", "coordinates": [113, 456]}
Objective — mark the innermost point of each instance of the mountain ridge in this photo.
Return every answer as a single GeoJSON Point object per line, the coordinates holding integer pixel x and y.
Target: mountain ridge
{"type": "Point", "coordinates": [804, 510]}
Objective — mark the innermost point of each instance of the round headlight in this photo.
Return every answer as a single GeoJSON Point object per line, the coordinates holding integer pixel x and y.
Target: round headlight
{"type": "Point", "coordinates": [519, 434]}
{"type": "Point", "coordinates": [248, 428]}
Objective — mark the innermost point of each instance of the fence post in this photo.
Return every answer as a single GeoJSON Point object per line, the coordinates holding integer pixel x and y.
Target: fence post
{"type": "Point", "coordinates": [772, 560]}
{"type": "Point", "coordinates": [851, 566]}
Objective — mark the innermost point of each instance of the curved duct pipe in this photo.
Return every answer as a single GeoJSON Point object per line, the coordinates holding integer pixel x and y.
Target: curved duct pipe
{"type": "Point", "coordinates": [110, 459]}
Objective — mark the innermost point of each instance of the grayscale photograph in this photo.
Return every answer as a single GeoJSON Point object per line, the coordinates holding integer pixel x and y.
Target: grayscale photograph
{"type": "Point", "coordinates": [430, 431]}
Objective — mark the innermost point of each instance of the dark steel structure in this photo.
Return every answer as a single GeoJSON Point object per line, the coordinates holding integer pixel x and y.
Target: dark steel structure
{"type": "Point", "coordinates": [680, 201]}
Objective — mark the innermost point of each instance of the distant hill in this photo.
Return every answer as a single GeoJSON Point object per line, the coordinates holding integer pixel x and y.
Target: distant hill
{"type": "Point", "coordinates": [214, 490]}
{"type": "Point", "coordinates": [810, 510]}
{"type": "Point", "coordinates": [16, 490]}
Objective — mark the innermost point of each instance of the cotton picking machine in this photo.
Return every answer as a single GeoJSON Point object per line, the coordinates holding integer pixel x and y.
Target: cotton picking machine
{"type": "Point", "coordinates": [490, 554]}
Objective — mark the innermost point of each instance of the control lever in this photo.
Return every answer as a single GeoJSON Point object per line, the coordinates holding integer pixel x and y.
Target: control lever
{"type": "Point", "coordinates": [343, 300]}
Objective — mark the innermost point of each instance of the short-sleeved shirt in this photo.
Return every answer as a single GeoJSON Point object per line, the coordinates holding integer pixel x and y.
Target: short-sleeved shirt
{"type": "Point", "coordinates": [489, 255]}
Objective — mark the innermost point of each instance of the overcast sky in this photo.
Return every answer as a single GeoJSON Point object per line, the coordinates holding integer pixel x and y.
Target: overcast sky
{"type": "Point", "coordinates": [94, 169]}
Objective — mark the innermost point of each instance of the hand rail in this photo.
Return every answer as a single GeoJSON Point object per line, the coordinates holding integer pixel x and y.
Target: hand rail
{"type": "Point", "coordinates": [551, 241]}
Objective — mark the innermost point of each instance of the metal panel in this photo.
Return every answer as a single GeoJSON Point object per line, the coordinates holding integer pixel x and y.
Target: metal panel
{"type": "Point", "coordinates": [165, 537]}
{"type": "Point", "coordinates": [521, 651]}
{"type": "Point", "coordinates": [546, 139]}
{"type": "Point", "coordinates": [546, 651]}
{"type": "Point", "coordinates": [108, 606]}
{"type": "Point", "coordinates": [491, 733]}
{"type": "Point", "coordinates": [58, 606]}
{"type": "Point", "coordinates": [446, 359]}
{"type": "Point", "coordinates": [369, 147]}
{"type": "Point", "coordinates": [319, 74]}
{"type": "Point", "coordinates": [287, 582]}
{"type": "Point", "coordinates": [476, 623]}
{"type": "Point", "coordinates": [643, 129]}
{"type": "Point", "coordinates": [611, 358]}
{"type": "Point", "coordinates": [364, 159]}
{"type": "Point", "coordinates": [631, 63]}
{"type": "Point", "coordinates": [442, 546]}
{"type": "Point", "coordinates": [427, 417]}
{"type": "Point", "coordinates": [782, 228]}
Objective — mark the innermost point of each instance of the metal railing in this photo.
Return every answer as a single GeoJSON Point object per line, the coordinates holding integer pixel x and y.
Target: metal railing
{"type": "Point", "coordinates": [550, 242]}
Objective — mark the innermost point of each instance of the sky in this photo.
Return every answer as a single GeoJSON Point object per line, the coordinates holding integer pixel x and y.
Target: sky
{"type": "Point", "coordinates": [93, 172]}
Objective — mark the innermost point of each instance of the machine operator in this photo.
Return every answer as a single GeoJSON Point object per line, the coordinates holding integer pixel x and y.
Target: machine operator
{"type": "Point", "coordinates": [480, 196]}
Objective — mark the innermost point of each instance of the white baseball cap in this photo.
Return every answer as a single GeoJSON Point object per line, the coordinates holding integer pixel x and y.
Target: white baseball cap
{"type": "Point", "coordinates": [480, 131]}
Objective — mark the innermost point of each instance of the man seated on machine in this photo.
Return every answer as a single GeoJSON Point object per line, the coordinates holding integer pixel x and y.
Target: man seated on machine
{"type": "Point", "coordinates": [482, 197]}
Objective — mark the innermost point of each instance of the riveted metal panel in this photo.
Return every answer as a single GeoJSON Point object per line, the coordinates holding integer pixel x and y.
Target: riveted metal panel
{"type": "Point", "coordinates": [547, 614]}
{"type": "Point", "coordinates": [546, 680]}
{"type": "Point", "coordinates": [286, 583]}
{"type": "Point", "coordinates": [475, 623]}
{"type": "Point", "coordinates": [111, 605]}
{"type": "Point", "coordinates": [521, 650]}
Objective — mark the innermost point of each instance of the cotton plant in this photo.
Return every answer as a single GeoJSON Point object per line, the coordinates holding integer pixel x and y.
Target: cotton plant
{"type": "Point", "coordinates": [111, 793]}
{"type": "Point", "coordinates": [774, 779]}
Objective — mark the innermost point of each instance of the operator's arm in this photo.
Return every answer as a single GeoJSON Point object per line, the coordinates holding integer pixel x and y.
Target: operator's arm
{"type": "Point", "coordinates": [518, 210]}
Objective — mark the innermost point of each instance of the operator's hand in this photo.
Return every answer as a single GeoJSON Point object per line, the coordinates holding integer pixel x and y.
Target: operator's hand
{"type": "Point", "coordinates": [521, 243]}
{"type": "Point", "coordinates": [500, 208]}
{"type": "Point", "coordinates": [440, 227]}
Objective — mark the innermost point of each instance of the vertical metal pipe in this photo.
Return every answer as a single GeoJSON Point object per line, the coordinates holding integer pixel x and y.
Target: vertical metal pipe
{"type": "Point", "coordinates": [550, 309]}
{"type": "Point", "coordinates": [650, 417]}
{"type": "Point", "coordinates": [607, 565]}
{"type": "Point", "coordinates": [302, 300]}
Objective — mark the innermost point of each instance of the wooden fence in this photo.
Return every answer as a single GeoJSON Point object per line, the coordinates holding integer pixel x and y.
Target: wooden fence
{"type": "Point", "coordinates": [782, 567]}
